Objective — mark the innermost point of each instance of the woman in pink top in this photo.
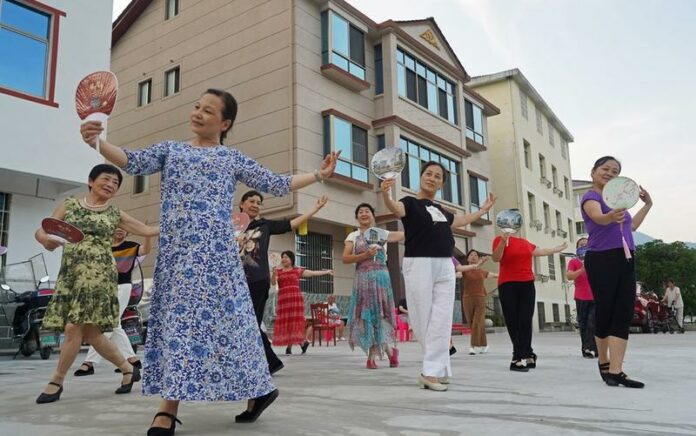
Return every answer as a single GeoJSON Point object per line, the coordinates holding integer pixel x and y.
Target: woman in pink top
{"type": "Point", "coordinates": [584, 301]}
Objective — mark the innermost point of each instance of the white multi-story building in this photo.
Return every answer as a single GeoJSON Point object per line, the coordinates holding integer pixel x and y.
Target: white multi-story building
{"type": "Point", "coordinates": [530, 166]}
{"type": "Point", "coordinates": [579, 189]}
{"type": "Point", "coordinates": [46, 47]}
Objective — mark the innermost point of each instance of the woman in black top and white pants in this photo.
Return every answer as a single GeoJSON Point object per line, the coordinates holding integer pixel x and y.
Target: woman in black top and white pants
{"type": "Point", "coordinates": [428, 269]}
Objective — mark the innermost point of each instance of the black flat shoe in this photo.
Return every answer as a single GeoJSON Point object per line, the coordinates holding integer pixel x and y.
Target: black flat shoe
{"type": "Point", "coordinates": [603, 370]}
{"type": "Point", "coordinates": [622, 379]}
{"type": "Point", "coordinates": [532, 364]}
{"type": "Point", "coordinates": [452, 350]}
{"type": "Point", "coordinates": [162, 431]}
{"type": "Point", "coordinates": [304, 346]}
{"type": "Point", "coordinates": [276, 368]}
{"type": "Point", "coordinates": [288, 350]}
{"type": "Point", "coordinates": [260, 404]}
{"type": "Point", "coordinates": [126, 388]}
{"type": "Point", "coordinates": [83, 372]}
{"type": "Point", "coordinates": [138, 364]}
{"type": "Point", "coordinates": [517, 365]}
{"type": "Point", "coordinates": [50, 398]}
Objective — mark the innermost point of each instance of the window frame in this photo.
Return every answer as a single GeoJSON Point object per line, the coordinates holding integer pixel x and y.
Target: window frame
{"type": "Point", "coordinates": [167, 8]}
{"type": "Point", "coordinates": [330, 145]}
{"type": "Point", "coordinates": [140, 181]}
{"type": "Point", "coordinates": [177, 71]}
{"type": "Point", "coordinates": [474, 134]}
{"type": "Point", "coordinates": [139, 93]}
{"type": "Point", "coordinates": [453, 176]}
{"type": "Point", "coordinates": [51, 60]}
{"type": "Point", "coordinates": [306, 247]}
{"type": "Point", "coordinates": [524, 107]}
{"type": "Point", "coordinates": [328, 49]}
{"type": "Point", "coordinates": [527, 150]}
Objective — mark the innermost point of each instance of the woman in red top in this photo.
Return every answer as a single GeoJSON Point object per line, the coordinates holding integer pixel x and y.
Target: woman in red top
{"type": "Point", "coordinates": [289, 328]}
{"type": "Point", "coordinates": [517, 293]}
{"type": "Point", "coordinates": [584, 301]}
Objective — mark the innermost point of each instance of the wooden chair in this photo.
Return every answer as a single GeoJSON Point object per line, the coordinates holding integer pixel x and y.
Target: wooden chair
{"type": "Point", "coordinates": [321, 322]}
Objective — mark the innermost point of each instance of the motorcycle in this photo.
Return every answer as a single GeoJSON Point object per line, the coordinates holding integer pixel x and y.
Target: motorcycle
{"type": "Point", "coordinates": [25, 312]}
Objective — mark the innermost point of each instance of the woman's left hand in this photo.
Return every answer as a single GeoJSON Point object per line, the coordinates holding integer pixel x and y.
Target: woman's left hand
{"type": "Point", "coordinates": [328, 166]}
{"type": "Point", "coordinates": [645, 196]}
{"type": "Point", "coordinates": [321, 202]}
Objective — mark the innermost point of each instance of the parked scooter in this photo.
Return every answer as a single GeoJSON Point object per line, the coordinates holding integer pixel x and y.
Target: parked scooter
{"type": "Point", "coordinates": [26, 317]}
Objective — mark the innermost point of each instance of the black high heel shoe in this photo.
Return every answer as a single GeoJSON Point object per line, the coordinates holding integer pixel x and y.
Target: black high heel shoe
{"type": "Point", "coordinates": [137, 364]}
{"type": "Point", "coordinates": [304, 346]}
{"type": "Point", "coordinates": [126, 388]}
{"type": "Point", "coordinates": [260, 404]}
{"type": "Point", "coordinates": [288, 350]}
{"type": "Point", "coordinates": [163, 431]}
{"type": "Point", "coordinates": [622, 379]}
{"type": "Point", "coordinates": [83, 372]}
{"type": "Point", "coordinates": [50, 398]}
{"type": "Point", "coordinates": [603, 370]}
{"type": "Point", "coordinates": [532, 364]}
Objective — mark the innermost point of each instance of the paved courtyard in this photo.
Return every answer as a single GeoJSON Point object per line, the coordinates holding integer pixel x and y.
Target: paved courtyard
{"type": "Point", "coordinates": [328, 392]}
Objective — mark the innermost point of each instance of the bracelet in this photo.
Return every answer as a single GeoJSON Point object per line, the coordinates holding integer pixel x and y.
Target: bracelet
{"type": "Point", "coordinates": [318, 177]}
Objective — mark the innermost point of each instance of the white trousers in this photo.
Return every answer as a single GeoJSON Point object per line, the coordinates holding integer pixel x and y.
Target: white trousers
{"type": "Point", "coordinates": [430, 283]}
{"type": "Point", "coordinates": [118, 336]}
{"type": "Point", "coordinates": [680, 316]}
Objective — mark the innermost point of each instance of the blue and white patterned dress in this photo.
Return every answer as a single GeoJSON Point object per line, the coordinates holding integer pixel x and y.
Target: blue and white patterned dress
{"type": "Point", "coordinates": [203, 341]}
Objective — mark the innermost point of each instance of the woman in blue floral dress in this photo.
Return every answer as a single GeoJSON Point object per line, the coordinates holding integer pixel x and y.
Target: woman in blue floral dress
{"type": "Point", "coordinates": [203, 340]}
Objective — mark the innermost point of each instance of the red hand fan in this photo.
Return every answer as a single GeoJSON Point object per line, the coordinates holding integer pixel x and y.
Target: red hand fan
{"type": "Point", "coordinates": [61, 231]}
{"type": "Point", "coordinates": [95, 98]}
{"type": "Point", "coordinates": [240, 222]}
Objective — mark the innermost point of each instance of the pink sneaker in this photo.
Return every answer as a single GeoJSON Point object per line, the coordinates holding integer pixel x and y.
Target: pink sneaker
{"type": "Point", "coordinates": [371, 364]}
{"type": "Point", "coordinates": [394, 358]}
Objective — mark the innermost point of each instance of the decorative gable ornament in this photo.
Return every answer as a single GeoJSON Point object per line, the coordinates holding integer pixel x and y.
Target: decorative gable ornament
{"type": "Point", "coordinates": [430, 38]}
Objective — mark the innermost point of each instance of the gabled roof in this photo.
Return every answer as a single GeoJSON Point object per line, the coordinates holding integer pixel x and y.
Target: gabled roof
{"type": "Point", "coordinates": [516, 75]}
{"type": "Point", "coordinates": [131, 13]}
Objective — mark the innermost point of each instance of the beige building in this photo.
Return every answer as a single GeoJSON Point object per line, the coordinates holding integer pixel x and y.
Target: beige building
{"type": "Point", "coordinates": [310, 77]}
{"type": "Point", "coordinates": [579, 189]}
{"type": "Point", "coordinates": [528, 148]}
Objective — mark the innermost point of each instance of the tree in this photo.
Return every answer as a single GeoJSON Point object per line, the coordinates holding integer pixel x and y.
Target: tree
{"type": "Point", "coordinates": [656, 262]}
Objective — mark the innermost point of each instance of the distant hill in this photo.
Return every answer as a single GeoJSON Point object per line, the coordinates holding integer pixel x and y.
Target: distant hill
{"type": "Point", "coordinates": [641, 238]}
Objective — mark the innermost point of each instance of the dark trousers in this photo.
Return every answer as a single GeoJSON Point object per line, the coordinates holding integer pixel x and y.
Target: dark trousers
{"type": "Point", "coordinates": [259, 296]}
{"type": "Point", "coordinates": [586, 322]}
{"type": "Point", "coordinates": [517, 300]}
{"type": "Point", "coordinates": [612, 278]}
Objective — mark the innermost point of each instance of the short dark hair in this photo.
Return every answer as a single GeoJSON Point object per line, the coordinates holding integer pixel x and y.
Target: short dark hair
{"type": "Point", "coordinates": [247, 195]}
{"type": "Point", "coordinates": [100, 169]}
{"type": "Point", "coordinates": [431, 163]}
{"type": "Point", "coordinates": [472, 251]}
{"type": "Point", "coordinates": [577, 244]}
{"type": "Point", "coordinates": [289, 254]}
{"type": "Point", "coordinates": [604, 159]}
{"type": "Point", "coordinates": [670, 281]}
{"type": "Point", "coordinates": [367, 205]}
{"type": "Point", "coordinates": [229, 108]}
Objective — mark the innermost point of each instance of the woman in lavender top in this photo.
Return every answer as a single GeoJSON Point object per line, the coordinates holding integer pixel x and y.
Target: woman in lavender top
{"type": "Point", "coordinates": [611, 274]}
{"type": "Point", "coordinates": [203, 341]}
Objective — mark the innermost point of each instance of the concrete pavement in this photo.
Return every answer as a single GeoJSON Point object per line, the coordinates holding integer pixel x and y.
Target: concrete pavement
{"type": "Point", "coordinates": [329, 392]}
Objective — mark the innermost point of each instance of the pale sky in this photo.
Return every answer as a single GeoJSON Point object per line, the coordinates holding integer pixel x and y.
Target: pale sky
{"type": "Point", "coordinates": [617, 74]}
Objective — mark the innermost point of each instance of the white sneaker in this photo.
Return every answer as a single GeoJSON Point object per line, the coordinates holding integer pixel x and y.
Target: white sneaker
{"type": "Point", "coordinates": [472, 351]}
{"type": "Point", "coordinates": [342, 339]}
{"type": "Point", "coordinates": [482, 350]}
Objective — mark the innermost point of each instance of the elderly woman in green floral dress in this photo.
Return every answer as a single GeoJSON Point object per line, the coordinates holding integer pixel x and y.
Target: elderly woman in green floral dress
{"type": "Point", "coordinates": [85, 304]}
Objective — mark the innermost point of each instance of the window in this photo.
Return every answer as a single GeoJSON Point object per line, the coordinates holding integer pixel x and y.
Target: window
{"type": "Point", "coordinates": [315, 251]}
{"type": "Point", "coordinates": [531, 204]}
{"type": "Point", "coordinates": [567, 313]}
{"type": "Point", "coordinates": [523, 104]}
{"type": "Point", "coordinates": [580, 228]}
{"type": "Point", "coordinates": [566, 187]}
{"type": "Point", "coordinates": [552, 267]}
{"type": "Point", "coordinates": [542, 166]}
{"type": "Point", "coordinates": [474, 121]}
{"type": "Point", "coordinates": [547, 218]}
{"type": "Point", "coordinates": [4, 222]}
{"type": "Point", "coordinates": [539, 121]}
{"type": "Point", "coordinates": [351, 140]}
{"type": "Point", "coordinates": [541, 314]}
{"type": "Point", "coordinates": [556, 312]}
{"type": "Point", "coordinates": [28, 50]}
{"type": "Point", "coordinates": [527, 154]}
{"type": "Point", "coordinates": [171, 81]}
{"type": "Point", "coordinates": [554, 177]}
{"type": "Point", "coordinates": [416, 156]}
{"type": "Point", "coordinates": [478, 189]}
{"type": "Point", "coordinates": [559, 221]}
{"type": "Point", "coordinates": [381, 142]}
{"type": "Point", "coordinates": [570, 230]}
{"type": "Point", "coordinates": [552, 139]}
{"type": "Point", "coordinates": [145, 92]}
{"type": "Point", "coordinates": [379, 73]}
{"type": "Point", "coordinates": [140, 184]}
{"type": "Point", "coordinates": [421, 84]}
{"type": "Point", "coordinates": [343, 44]}
{"type": "Point", "coordinates": [537, 265]}
{"type": "Point", "coordinates": [171, 9]}
{"type": "Point", "coordinates": [564, 148]}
